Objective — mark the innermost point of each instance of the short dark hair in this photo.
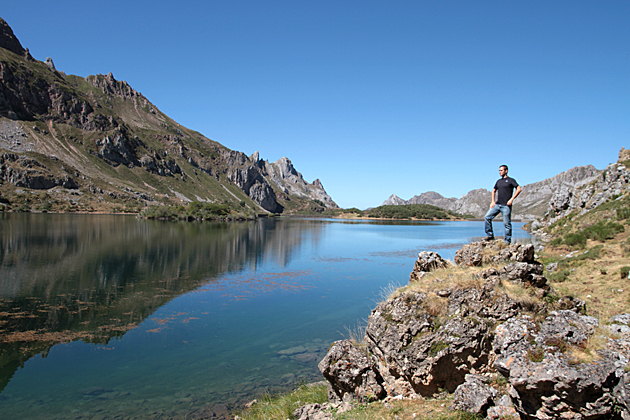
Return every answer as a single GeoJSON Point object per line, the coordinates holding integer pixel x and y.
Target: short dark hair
{"type": "Point", "coordinates": [504, 166]}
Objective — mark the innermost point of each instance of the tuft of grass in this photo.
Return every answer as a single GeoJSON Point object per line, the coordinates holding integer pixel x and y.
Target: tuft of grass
{"type": "Point", "coordinates": [522, 294]}
{"type": "Point", "coordinates": [587, 352]}
{"type": "Point", "coordinates": [282, 406]}
{"type": "Point", "coordinates": [536, 354]}
{"type": "Point", "coordinates": [435, 305]}
{"type": "Point", "coordinates": [357, 333]}
{"type": "Point", "coordinates": [559, 276]}
{"type": "Point", "coordinates": [388, 292]}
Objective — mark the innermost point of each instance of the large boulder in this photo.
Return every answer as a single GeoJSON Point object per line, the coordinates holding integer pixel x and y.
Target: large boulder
{"type": "Point", "coordinates": [351, 375]}
{"type": "Point", "coordinates": [420, 353]}
{"type": "Point", "coordinates": [474, 395]}
{"type": "Point", "coordinates": [484, 252]}
{"type": "Point", "coordinates": [427, 262]}
{"type": "Point", "coordinates": [545, 379]}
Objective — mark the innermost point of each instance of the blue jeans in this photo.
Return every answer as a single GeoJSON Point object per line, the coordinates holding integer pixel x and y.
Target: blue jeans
{"type": "Point", "coordinates": [506, 212]}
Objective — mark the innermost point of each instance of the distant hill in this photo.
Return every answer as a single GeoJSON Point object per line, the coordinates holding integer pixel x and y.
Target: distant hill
{"type": "Point", "coordinates": [532, 203]}
{"type": "Point", "coordinates": [69, 143]}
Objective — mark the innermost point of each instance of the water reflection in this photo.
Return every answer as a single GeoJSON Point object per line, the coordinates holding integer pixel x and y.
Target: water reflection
{"type": "Point", "coordinates": [208, 315]}
{"type": "Point", "coordinates": [94, 277]}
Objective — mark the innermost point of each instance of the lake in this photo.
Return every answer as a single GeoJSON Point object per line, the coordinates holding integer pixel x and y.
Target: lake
{"type": "Point", "coordinates": [105, 316]}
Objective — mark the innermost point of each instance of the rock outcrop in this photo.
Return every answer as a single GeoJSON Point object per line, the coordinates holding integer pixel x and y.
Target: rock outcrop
{"type": "Point", "coordinates": [427, 261]}
{"type": "Point", "coordinates": [502, 356]}
{"type": "Point", "coordinates": [611, 182]}
{"type": "Point", "coordinates": [288, 180]}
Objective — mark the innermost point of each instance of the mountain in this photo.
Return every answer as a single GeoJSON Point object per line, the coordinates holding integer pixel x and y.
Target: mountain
{"type": "Point", "coordinates": [610, 184]}
{"type": "Point", "coordinates": [69, 143]}
{"type": "Point", "coordinates": [532, 203]}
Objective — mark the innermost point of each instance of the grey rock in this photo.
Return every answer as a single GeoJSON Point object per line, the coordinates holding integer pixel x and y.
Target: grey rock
{"type": "Point", "coordinates": [290, 181]}
{"type": "Point", "coordinates": [621, 319]}
{"type": "Point", "coordinates": [427, 262]}
{"type": "Point", "coordinates": [501, 412]}
{"type": "Point", "coordinates": [351, 375]}
{"type": "Point", "coordinates": [417, 356]}
{"type": "Point", "coordinates": [117, 150]}
{"type": "Point", "coordinates": [474, 396]}
{"type": "Point", "coordinates": [550, 385]}
{"type": "Point", "coordinates": [552, 267]}
{"type": "Point", "coordinates": [321, 411]}
{"type": "Point", "coordinates": [49, 63]}
{"type": "Point", "coordinates": [474, 254]}
{"type": "Point", "coordinates": [470, 255]}
{"type": "Point", "coordinates": [620, 324]}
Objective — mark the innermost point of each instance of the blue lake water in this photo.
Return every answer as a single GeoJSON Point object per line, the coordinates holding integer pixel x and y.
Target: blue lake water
{"type": "Point", "coordinates": [113, 317]}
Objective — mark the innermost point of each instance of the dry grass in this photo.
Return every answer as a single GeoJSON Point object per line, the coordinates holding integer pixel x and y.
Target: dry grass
{"type": "Point", "coordinates": [424, 409]}
{"type": "Point", "coordinates": [452, 278]}
{"type": "Point", "coordinates": [520, 293]}
{"type": "Point", "coordinates": [598, 282]}
{"type": "Point", "coordinates": [588, 351]}
{"type": "Point", "coordinates": [435, 305]}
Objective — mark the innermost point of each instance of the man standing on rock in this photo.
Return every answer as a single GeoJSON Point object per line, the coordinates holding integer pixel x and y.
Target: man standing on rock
{"type": "Point", "coordinates": [504, 192]}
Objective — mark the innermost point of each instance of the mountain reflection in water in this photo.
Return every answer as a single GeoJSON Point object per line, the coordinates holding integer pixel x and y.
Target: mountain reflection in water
{"type": "Point", "coordinates": [93, 277]}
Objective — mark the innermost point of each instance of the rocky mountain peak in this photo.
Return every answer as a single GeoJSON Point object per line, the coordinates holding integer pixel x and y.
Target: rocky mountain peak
{"type": "Point", "coordinates": [393, 200]}
{"type": "Point", "coordinates": [8, 40]}
{"type": "Point", "coordinates": [111, 86]}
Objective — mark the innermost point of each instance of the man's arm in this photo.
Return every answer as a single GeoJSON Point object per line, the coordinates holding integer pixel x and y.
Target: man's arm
{"type": "Point", "coordinates": [494, 192]}
{"type": "Point", "coordinates": [517, 191]}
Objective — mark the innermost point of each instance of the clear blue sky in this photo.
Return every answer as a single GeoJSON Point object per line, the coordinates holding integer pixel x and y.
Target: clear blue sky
{"type": "Point", "coordinates": [373, 98]}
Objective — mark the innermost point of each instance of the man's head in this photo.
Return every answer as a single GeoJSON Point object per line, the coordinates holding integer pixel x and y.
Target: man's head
{"type": "Point", "coordinates": [503, 170]}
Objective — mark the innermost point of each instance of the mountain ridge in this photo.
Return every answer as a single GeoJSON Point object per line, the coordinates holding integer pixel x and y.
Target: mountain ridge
{"type": "Point", "coordinates": [532, 203]}
{"type": "Point", "coordinates": [69, 143]}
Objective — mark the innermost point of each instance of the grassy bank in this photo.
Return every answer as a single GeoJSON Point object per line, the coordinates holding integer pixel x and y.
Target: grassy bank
{"type": "Point", "coordinates": [282, 406]}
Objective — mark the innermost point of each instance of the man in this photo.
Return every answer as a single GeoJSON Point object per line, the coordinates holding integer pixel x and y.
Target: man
{"type": "Point", "coordinates": [505, 191]}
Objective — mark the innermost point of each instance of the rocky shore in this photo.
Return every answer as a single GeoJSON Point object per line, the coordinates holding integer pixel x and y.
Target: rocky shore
{"type": "Point", "coordinates": [491, 331]}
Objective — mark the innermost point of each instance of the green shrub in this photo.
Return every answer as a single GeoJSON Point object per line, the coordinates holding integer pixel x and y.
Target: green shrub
{"type": "Point", "coordinates": [408, 211]}
{"type": "Point", "coordinates": [591, 254]}
{"type": "Point", "coordinates": [623, 214]}
{"type": "Point", "coordinates": [559, 276]}
{"type": "Point", "coordinates": [601, 231]}
{"type": "Point", "coordinates": [624, 272]}
{"type": "Point", "coordinates": [575, 239]}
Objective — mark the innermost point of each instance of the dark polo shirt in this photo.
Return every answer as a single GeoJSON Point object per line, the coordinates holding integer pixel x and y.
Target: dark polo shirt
{"type": "Point", "coordinates": [505, 188]}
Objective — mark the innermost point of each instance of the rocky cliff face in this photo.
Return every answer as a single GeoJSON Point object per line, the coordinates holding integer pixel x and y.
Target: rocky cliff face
{"type": "Point", "coordinates": [288, 180]}
{"type": "Point", "coordinates": [101, 137]}
{"type": "Point", "coordinates": [583, 196]}
{"type": "Point", "coordinates": [532, 203]}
